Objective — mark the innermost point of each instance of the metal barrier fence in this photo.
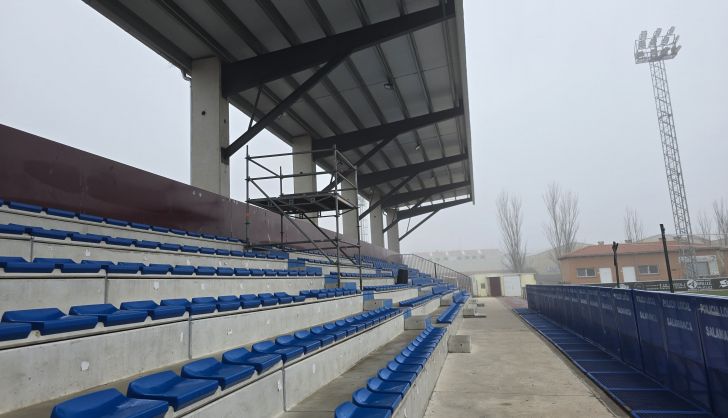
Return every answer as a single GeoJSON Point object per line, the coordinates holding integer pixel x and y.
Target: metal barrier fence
{"type": "Point", "coordinates": [448, 275]}
{"type": "Point", "coordinates": [680, 340]}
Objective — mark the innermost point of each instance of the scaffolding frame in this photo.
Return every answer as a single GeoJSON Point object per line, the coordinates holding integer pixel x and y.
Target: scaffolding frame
{"type": "Point", "coordinates": [310, 206]}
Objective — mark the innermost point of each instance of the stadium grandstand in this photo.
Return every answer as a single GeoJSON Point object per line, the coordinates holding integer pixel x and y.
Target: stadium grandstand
{"type": "Point", "coordinates": [124, 293]}
{"type": "Point", "coordinates": [128, 294]}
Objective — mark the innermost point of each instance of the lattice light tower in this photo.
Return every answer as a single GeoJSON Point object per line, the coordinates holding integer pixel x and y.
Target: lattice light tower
{"type": "Point", "coordinates": [662, 47]}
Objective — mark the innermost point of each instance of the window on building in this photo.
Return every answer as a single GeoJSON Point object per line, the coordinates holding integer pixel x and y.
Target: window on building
{"type": "Point", "coordinates": [648, 269]}
{"type": "Point", "coordinates": [482, 285]}
{"type": "Point", "coordinates": [586, 272]}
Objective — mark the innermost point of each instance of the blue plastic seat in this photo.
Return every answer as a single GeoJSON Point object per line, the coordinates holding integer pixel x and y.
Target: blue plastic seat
{"type": "Point", "coordinates": [190, 248]}
{"type": "Point", "coordinates": [270, 347]}
{"type": "Point", "coordinates": [109, 403]}
{"type": "Point", "coordinates": [207, 250]}
{"type": "Point", "coordinates": [193, 234]}
{"type": "Point", "coordinates": [349, 410]}
{"type": "Point", "coordinates": [178, 231]}
{"type": "Point", "coordinates": [242, 272]}
{"type": "Point", "coordinates": [169, 246]}
{"type": "Point", "coordinates": [324, 339]}
{"type": "Point", "coordinates": [50, 320]}
{"type": "Point", "coordinates": [90, 218]}
{"type": "Point", "coordinates": [407, 353]}
{"type": "Point", "coordinates": [24, 206]}
{"type": "Point", "coordinates": [376, 384]}
{"type": "Point", "coordinates": [147, 244]}
{"type": "Point", "coordinates": [404, 368]}
{"type": "Point", "coordinates": [248, 301]}
{"type": "Point", "coordinates": [236, 253]}
{"type": "Point", "coordinates": [261, 362]}
{"type": "Point", "coordinates": [222, 306]}
{"type": "Point", "coordinates": [220, 251]}
{"type": "Point", "coordinates": [283, 297]}
{"type": "Point", "coordinates": [108, 314]}
{"type": "Point", "coordinates": [92, 238]}
{"type": "Point", "coordinates": [138, 225]}
{"type": "Point", "coordinates": [205, 271]}
{"type": "Point", "coordinates": [124, 242]}
{"type": "Point", "coordinates": [12, 229]}
{"type": "Point", "coordinates": [308, 345]}
{"type": "Point", "coordinates": [386, 374]}
{"type": "Point", "coordinates": [116, 222]}
{"type": "Point", "coordinates": [183, 270]}
{"type": "Point", "coordinates": [192, 308]}
{"type": "Point", "coordinates": [225, 271]}
{"type": "Point", "coordinates": [80, 268]}
{"type": "Point", "coordinates": [167, 386]}
{"type": "Point", "coordinates": [49, 233]}
{"type": "Point", "coordinates": [124, 268]}
{"type": "Point", "coordinates": [334, 331]}
{"type": "Point", "coordinates": [225, 374]}
{"type": "Point", "coordinates": [267, 299]}
{"type": "Point", "coordinates": [14, 331]}
{"type": "Point", "coordinates": [156, 269]}
{"type": "Point", "coordinates": [350, 325]}
{"type": "Point", "coordinates": [153, 309]}
{"type": "Point", "coordinates": [368, 399]}
{"type": "Point", "coordinates": [60, 212]}
{"type": "Point", "coordinates": [256, 272]}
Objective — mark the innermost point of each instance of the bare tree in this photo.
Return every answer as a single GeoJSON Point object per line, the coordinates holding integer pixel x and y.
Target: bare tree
{"type": "Point", "coordinates": [634, 229]}
{"type": "Point", "coordinates": [720, 214]}
{"type": "Point", "coordinates": [563, 220]}
{"type": "Point", "coordinates": [705, 225]}
{"type": "Point", "coordinates": [510, 222]}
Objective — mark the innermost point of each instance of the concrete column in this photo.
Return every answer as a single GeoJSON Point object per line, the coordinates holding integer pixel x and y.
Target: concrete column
{"type": "Point", "coordinates": [350, 219]}
{"type": "Point", "coordinates": [393, 232]}
{"type": "Point", "coordinates": [209, 128]}
{"type": "Point", "coordinates": [376, 223]}
{"type": "Point", "coordinates": [304, 163]}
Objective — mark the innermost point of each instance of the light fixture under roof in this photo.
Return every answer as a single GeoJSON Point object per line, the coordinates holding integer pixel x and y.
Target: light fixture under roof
{"type": "Point", "coordinates": [418, 146]}
{"type": "Point", "coordinates": [389, 85]}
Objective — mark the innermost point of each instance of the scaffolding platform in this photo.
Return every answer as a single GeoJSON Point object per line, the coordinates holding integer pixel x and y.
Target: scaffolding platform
{"type": "Point", "coordinates": [300, 203]}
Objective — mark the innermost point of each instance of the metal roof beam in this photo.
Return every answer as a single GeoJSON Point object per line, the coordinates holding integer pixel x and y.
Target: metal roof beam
{"type": "Point", "coordinates": [411, 230]}
{"type": "Point", "coordinates": [283, 106]}
{"type": "Point", "coordinates": [377, 177]}
{"type": "Point", "coordinates": [398, 199]}
{"type": "Point", "coordinates": [409, 213]}
{"type": "Point", "coordinates": [394, 190]}
{"type": "Point", "coordinates": [351, 140]}
{"type": "Point", "coordinates": [242, 75]}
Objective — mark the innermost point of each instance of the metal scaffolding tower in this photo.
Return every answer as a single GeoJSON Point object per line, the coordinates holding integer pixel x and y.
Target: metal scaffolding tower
{"type": "Point", "coordinates": [655, 52]}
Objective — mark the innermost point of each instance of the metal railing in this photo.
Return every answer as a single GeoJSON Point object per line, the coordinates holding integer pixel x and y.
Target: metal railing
{"type": "Point", "coordinates": [446, 274]}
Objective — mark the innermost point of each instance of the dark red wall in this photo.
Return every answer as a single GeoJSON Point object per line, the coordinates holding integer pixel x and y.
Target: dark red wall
{"type": "Point", "coordinates": [43, 172]}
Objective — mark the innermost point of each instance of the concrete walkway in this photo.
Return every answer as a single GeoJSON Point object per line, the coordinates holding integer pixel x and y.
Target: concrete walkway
{"type": "Point", "coordinates": [511, 372]}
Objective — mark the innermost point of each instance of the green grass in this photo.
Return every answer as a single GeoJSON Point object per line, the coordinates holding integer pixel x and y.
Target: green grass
{"type": "Point", "coordinates": [722, 292]}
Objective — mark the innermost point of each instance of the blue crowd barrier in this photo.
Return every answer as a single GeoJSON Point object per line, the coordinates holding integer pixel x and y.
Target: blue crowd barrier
{"type": "Point", "coordinates": [679, 340]}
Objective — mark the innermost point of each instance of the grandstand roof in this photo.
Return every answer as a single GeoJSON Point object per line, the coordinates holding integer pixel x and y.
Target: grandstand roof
{"type": "Point", "coordinates": [388, 81]}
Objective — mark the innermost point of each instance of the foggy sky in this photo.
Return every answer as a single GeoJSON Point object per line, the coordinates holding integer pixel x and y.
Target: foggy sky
{"type": "Point", "coordinates": [554, 96]}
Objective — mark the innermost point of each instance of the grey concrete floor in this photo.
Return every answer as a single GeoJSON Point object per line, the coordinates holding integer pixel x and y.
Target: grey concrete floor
{"type": "Point", "coordinates": [511, 372]}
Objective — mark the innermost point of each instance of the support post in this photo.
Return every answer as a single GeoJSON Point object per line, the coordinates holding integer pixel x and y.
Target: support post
{"type": "Point", "coordinates": [304, 163]}
{"type": "Point", "coordinates": [376, 224]}
{"type": "Point", "coordinates": [616, 266]}
{"type": "Point", "coordinates": [667, 258]}
{"type": "Point", "coordinates": [350, 218]}
{"type": "Point", "coordinates": [393, 233]}
{"type": "Point", "coordinates": [209, 131]}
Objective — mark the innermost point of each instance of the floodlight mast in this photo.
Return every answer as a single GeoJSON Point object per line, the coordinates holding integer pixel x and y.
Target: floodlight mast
{"type": "Point", "coordinates": [659, 49]}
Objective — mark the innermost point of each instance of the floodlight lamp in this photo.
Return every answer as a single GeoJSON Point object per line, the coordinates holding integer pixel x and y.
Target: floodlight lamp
{"type": "Point", "coordinates": [670, 31]}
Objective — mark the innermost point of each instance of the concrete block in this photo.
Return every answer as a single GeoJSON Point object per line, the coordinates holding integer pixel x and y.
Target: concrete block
{"type": "Point", "coordinates": [15, 246]}
{"type": "Point", "coordinates": [370, 305]}
{"type": "Point", "coordinates": [415, 322]}
{"type": "Point", "coordinates": [446, 300]}
{"type": "Point", "coordinates": [458, 344]}
{"type": "Point", "coordinates": [38, 291]}
{"type": "Point", "coordinates": [426, 308]}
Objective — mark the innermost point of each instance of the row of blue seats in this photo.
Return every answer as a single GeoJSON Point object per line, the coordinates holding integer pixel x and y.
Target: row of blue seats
{"type": "Point", "coordinates": [66, 265]}
{"type": "Point", "coordinates": [18, 324]}
{"type": "Point", "coordinates": [419, 300]}
{"type": "Point", "coordinates": [59, 234]}
{"type": "Point", "coordinates": [384, 392]}
{"type": "Point", "coordinates": [449, 314]}
{"type": "Point", "coordinates": [115, 222]}
{"type": "Point", "coordinates": [386, 288]}
{"type": "Point", "coordinates": [363, 275]}
{"type": "Point", "coordinates": [461, 297]}
{"type": "Point", "coordinates": [151, 396]}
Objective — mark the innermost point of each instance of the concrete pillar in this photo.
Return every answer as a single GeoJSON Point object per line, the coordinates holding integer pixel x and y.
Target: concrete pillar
{"type": "Point", "coordinates": [376, 223]}
{"type": "Point", "coordinates": [393, 232]}
{"type": "Point", "coordinates": [304, 163]}
{"type": "Point", "coordinates": [350, 219]}
{"type": "Point", "coordinates": [208, 128]}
